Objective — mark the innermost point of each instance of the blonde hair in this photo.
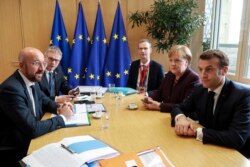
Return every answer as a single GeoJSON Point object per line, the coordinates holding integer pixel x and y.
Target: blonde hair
{"type": "Point", "coordinates": [183, 50]}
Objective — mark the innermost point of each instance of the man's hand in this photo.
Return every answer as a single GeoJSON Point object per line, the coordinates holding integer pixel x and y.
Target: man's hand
{"type": "Point", "coordinates": [66, 109]}
{"type": "Point", "coordinates": [150, 104]}
{"type": "Point", "coordinates": [64, 98]}
{"type": "Point", "coordinates": [183, 127]}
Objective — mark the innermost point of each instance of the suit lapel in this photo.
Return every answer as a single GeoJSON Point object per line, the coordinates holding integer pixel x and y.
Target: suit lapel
{"type": "Point", "coordinates": [221, 98]}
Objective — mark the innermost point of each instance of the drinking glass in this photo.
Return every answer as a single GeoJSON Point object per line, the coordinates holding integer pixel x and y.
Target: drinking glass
{"type": "Point", "coordinates": [111, 87]}
{"type": "Point", "coordinates": [105, 120]}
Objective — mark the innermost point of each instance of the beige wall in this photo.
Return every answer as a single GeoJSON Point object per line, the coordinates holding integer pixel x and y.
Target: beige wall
{"type": "Point", "coordinates": [29, 23]}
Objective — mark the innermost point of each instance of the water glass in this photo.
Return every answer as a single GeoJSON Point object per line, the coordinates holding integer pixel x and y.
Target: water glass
{"type": "Point", "coordinates": [111, 87]}
{"type": "Point", "coordinates": [105, 120]}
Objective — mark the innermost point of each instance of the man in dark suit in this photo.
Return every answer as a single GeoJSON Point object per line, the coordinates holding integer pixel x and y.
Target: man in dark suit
{"type": "Point", "coordinates": [22, 107]}
{"type": "Point", "coordinates": [222, 107]}
{"type": "Point", "coordinates": [53, 82]}
{"type": "Point", "coordinates": [145, 73]}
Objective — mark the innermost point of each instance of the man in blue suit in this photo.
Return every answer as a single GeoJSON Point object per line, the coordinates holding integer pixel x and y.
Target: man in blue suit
{"type": "Point", "coordinates": [227, 122]}
{"type": "Point", "coordinates": [22, 106]}
{"type": "Point", "coordinates": [144, 72]}
{"type": "Point", "coordinates": [53, 83]}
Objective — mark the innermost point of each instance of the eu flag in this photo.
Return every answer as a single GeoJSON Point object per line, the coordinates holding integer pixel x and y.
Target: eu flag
{"type": "Point", "coordinates": [80, 48]}
{"type": "Point", "coordinates": [118, 57]}
{"type": "Point", "coordinates": [97, 52]}
{"type": "Point", "coordinates": [59, 37]}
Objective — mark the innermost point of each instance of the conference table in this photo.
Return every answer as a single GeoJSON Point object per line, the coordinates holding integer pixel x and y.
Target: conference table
{"type": "Point", "coordinates": [141, 129]}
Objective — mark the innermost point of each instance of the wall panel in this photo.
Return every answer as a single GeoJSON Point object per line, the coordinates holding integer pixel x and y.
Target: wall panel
{"type": "Point", "coordinates": [10, 36]}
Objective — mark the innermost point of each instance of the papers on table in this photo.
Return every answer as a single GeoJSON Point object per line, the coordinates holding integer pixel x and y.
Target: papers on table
{"type": "Point", "coordinates": [152, 157]}
{"type": "Point", "coordinates": [72, 151]}
{"type": "Point", "coordinates": [92, 89]}
{"type": "Point", "coordinates": [125, 90]}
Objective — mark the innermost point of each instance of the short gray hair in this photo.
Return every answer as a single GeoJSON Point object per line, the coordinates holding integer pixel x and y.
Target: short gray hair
{"type": "Point", "coordinates": [53, 49]}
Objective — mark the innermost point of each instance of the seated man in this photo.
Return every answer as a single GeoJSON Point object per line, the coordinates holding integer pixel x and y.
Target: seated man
{"type": "Point", "coordinates": [145, 73]}
{"type": "Point", "coordinates": [178, 82]}
{"type": "Point", "coordinates": [222, 107]}
{"type": "Point", "coordinates": [23, 105]}
{"type": "Point", "coordinates": [53, 82]}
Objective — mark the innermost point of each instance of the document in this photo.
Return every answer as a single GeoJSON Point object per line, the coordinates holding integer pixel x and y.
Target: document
{"type": "Point", "coordinates": [150, 158]}
{"type": "Point", "coordinates": [70, 152]}
{"type": "Point", "coordinates": [92, 89]}
{"type": "Point", "coordinates": [95, 107]}
{"type": "Point", "coordinates": [79, 118]}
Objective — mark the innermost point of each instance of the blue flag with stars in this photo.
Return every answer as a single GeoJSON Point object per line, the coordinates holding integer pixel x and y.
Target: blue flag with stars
{"type": "Point", "coordinates": [97, 52]}
{"type": "Point", "coordinates": [59, 37]}
{"type": "Point", "coordinates": [118, 57]}
{"type": "Point", "coordinates": [80, 48]}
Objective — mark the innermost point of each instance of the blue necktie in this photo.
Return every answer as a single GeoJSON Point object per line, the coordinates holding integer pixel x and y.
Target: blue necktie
{"type": "Point", "coordinates": [51, 84]}
{"type": "Point", "coordinates": [34, 98]}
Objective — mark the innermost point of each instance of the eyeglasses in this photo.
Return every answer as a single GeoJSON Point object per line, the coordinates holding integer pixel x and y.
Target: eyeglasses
{"type": "Point", "coordinates": [52, 59]}
{"type": "Point", "coordinates": [39, 63]}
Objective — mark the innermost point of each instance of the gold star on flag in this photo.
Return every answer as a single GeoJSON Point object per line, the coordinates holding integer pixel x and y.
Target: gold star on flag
{"type": "Point", "coordinates": [117, 75]}
{"type": "Point", "coordinates": [126, 72]}
{"type": "Point", "coordinates": [67, 40]}
{"type": "Point", "coordinates": [58, 37]}
{"type": "Point", "coordinates": [65, 77]}
{"type": "Point", "coordinates": [92, 76]}
{"type": "Point", "coordinates": [77, 76]}
{"type": "Point", "coordinates": [73, 41]}
{"type": "Point", "coordinates": [97, 38]}
{"type": "Point", "coordinates": [116, 36]}
{"type": "Point", "coordinates": [98, 77]}
{"type": "Point", "coordinates": [69, 70]}
{"type": "Point", "coordinates": [51, 42]}
{"type": "Point", "coordinates": [124, 38]}
{"type": "Point", "coordinates": [108, 73]}
{"type": "Point", "coordinates": [104, 40]}
{"type": "Point", "coordinates": [80, 37]}
{"type": "Point", "coordinates": [86, 70]}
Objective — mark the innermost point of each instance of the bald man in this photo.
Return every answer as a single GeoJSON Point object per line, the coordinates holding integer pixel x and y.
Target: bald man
{"type": "Point", "coordinates": [22, 107]}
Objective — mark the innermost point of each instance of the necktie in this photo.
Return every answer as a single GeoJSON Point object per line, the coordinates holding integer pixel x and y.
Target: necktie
{"type": "Point", "coordinates": [143, 75]}
{"type": "Point", "coordinates": [33, 98]}
{"type": "Point", "coordinates": [210, 108]}
{"type": "Point", "coordinates": [51, 84]}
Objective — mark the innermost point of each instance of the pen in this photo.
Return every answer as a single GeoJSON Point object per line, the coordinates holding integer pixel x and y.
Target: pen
{"type": "Point", "coordinates": [68, 149]}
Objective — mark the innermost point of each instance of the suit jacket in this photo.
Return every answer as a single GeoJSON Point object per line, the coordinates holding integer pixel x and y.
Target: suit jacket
{"type": "Point", "coordinates": [156, 75]}
{"type": "Point", "coordinates": [18, 125]}
{"type": "Point", "coordinates": [61, 85]}
{"type": "Point", "coordinates": [231, 120]}
{"type": "Point", "coordinates": [170, 94]}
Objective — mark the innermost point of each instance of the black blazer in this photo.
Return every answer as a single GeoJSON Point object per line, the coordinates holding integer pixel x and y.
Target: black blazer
{"type": "Point", "coordinates": [231, 123]}
{"type": "Point", "coordinates": [18, 125]}
{"type": "Point", "coordinates": [156, 75]}
{"type": "Point", "coordinates": [61, 85]}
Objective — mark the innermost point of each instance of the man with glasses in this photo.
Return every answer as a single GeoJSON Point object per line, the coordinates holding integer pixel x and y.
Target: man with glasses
{"type": "Point", "coordinates": [145, 74]}
{"type": "Point", "coordinates": [222, 107]}
{"type": "Point", "coordinates": [53, 83]}
{"type": "Point", "coordinates": [23, 105]}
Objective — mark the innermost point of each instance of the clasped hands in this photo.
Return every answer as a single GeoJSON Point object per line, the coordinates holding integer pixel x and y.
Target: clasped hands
{"type": "Point", "coordinates": [66, 109]}
{"type": "Point", "coordinates": [184, 127]}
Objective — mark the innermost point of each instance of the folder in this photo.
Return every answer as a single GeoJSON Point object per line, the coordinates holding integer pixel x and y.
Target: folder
{"type": "Point", "coordinates": [150, 157]}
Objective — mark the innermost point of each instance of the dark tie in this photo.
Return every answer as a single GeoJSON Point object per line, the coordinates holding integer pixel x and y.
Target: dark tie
{"type": "Point", "coordinates": [209, 109]}
{"type": "Point", "coordinates": [34, 98]}
{"type": "Point", "coordinates": [51, 84]}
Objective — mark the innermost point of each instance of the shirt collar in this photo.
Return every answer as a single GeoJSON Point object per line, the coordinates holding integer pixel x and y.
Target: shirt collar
{"type": "Point", "coordinates": [146, 64]}
{"type": "Point", "coordinates": [27, 82]}
{"type": "Point", "coordinates": [218, 90]}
